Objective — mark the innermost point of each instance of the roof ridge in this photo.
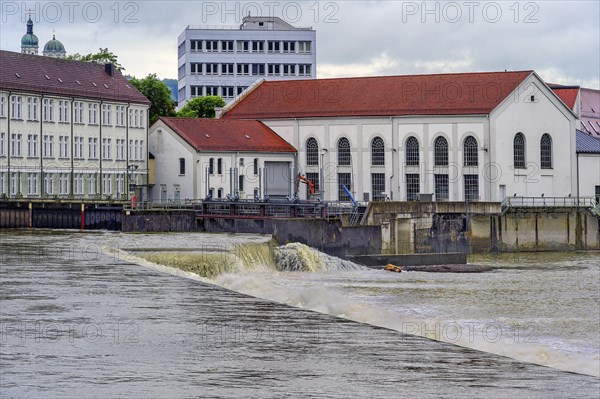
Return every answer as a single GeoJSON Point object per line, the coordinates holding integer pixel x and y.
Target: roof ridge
{"type": "Point", "coordinates": [405, 75]}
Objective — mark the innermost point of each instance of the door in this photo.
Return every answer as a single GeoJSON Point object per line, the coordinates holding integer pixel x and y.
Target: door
{"type": "Point", "coordinates": [502, 192]}
{"type": "Point", "coordinates": [277, 179]}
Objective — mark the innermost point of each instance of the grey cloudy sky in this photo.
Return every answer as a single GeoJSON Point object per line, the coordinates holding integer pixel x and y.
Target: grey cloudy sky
{"type": "Point", "coordinates": [558, 39]}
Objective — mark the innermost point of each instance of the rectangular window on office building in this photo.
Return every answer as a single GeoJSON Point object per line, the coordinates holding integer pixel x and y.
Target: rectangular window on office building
{"type": "Point", "coordinates": [258, 46]}
{"type": "Point", "coordinates": [413, 187]}
{"type": "Point", "coordinates": [441, 188]}
{"type": "Point", "coordinates": [243, 69]}
{"type": "Point", "coordinates": [63, 111]}
{"type": "Point", "coordinates": [378, 186]}
{"type": "Point", "coordinates": [289, 47]}
{"type": "Point", "coordinates": [78, 184]}
{"type": "Point", "coordinates": [106, 184]}
{"type": "Point", "coordinates": [243, 46]}
{"type": "Point", "coordinates": [49, 183]}
{"type": "Point", "coordinates": [48, 110]}
{"type": "Point", "coordinates": [212, 69]}
{"type": "Point", "coordinates": [227, 69]}
{"type": "Point", "coordinates": [344, 179]}
{"type": "Point", "coordinates": [304, 70]}
{"type": "Point", "coordinates": [274, 69]}
{"type": "Point", "coordinates": [273, 46]}
{"type": "Point", "coordinates": [78, 112]}
{"type": "Point", "coordinates": [78, 147]}
{"type": "Point", "coordinates": [289, 70]}
{"type": "Point", "coordinates": [228, 91]}
{"type": "Point", "coordinates": [227, 46]}
{"type": "Point", "coordinates": [32, 108]}
{"type": "Point", "coordinates": [16, 107]}
{"type": "Point", "coordinates": [195, 45]}
{"type": "Point", "coordinates": [212, 46]}
{"type": "Point", "coordinates": [471, 187]}
{"type": "Point", "coordinates": [304, 47]}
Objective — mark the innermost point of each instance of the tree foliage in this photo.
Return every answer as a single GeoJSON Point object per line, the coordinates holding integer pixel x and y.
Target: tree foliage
{"type": "Point", "coordinates": [102, 57]}
{"type": "Point", "coordinates": [159, 95]}
{"type": "Point", "coordinates": [201, 107]}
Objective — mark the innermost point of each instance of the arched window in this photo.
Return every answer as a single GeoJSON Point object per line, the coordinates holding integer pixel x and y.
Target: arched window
{"type": "Point", "coordinates": [519, 151]}
{"type": "Point", "coordinates": [312, 152]}
{"type": "Point", "coordinates": [470, 151]}
{"type": "Point", "coordinates": [441, 152]}
{"type": "Point", "coordinates": [377, 152]}
{"type": "Point", "coordinates": [343, 152]}
{"type": "Point", "coordinates": [412, 152]}
{"type": "Point", "coordinates": [546, 151]}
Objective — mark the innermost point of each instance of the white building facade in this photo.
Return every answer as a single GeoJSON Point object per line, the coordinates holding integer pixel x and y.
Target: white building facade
{"type": "Point", "coordinates": [225, 61]}
{"type": "Point", "coordinates": [456, 137]}
{"type": "Point", "coordinates": [196, 159]}
{"type": "Point", "coordinates": [70, 130]}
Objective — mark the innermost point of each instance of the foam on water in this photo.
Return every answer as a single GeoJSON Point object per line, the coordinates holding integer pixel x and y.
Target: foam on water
{"type": "Point", "coordinates": [303, 277]}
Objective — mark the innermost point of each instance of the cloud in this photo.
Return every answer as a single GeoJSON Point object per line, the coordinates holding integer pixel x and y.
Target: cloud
{"type": "Point", "coordinates": [559, 39]}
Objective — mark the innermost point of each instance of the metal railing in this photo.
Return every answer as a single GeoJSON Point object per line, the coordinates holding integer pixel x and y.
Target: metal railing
{"type": "Point", "coordinates": [549, 202]}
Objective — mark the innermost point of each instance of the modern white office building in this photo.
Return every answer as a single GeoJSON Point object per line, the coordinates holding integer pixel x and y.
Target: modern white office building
{"type": "Point", "coordinates": [224, 61]}
{"type": "Point", "coordinates": [70, 129]}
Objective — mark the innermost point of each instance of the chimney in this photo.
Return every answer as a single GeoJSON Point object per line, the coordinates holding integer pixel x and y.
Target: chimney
{"type": "Point", "coordinates": [110, 69]}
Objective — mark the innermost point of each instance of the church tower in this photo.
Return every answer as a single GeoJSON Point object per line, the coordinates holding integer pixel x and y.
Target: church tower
{"type": "Point", "coordinates": [54, 48]}
{"type": "Point", "coordinates": [29, 41]}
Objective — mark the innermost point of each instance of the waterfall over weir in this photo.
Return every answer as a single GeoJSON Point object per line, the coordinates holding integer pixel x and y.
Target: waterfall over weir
{"type": "Point", "coordinates": [211, 262]}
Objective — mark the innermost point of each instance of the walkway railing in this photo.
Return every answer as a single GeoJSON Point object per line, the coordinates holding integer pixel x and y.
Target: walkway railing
{"type": "Point", "coordinates": [251, 209]}
{"type": "Point", "coordinates": [549, 202]}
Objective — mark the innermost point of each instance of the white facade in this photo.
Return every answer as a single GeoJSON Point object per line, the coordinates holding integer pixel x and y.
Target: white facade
{"type": "Point", "coordinates": [490, 173]}
{"type": "Point", "coordinates": [55, 146]}
{"type": "Point", "coordinates": [225, 61]}
{"type": "Point", "coordinates": [183, 173]}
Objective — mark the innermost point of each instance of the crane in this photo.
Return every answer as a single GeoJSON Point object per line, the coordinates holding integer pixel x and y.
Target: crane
{"type": "Point", "coordinates": [301, 178]}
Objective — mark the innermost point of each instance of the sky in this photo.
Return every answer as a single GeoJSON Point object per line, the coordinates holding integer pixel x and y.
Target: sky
{"type": "Point", "coordinates": [560, 40]}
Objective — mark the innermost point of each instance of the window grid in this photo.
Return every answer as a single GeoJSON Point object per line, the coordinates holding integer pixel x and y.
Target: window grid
{"type": "Point", "coordinates": [312, 152]}
{"type": "Point", "coordinates": [344, 152]}
{"type": "Point", "coordinates": [546, 151]}
{"type": "Point", "coordinates": [441, 152]}
{"type": "Point", "coordinates": [314, 179]}
{"type": "Point", "coordinates": [441, 188]}
{"type": "Point", "coordinates": [412, 152]}
{"type": "Point", "coordinates": [378, 186]}
{"type": "Point", "coordinates": [344, 179]}
{"type": "Point", "coordinates": [519, 151]}
{"type": "Point", "coordinates": [470, 156]}
{"type": "Point", "coordinates": [413, 186]}
{"type": "Point", "coordinates": [471, 187]}
{"type": "Point", "coordinates": [377, 152]}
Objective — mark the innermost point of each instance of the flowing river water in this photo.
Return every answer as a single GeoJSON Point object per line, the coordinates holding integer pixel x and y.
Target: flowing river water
{"type": "Point", "coordinates": [162, 315]}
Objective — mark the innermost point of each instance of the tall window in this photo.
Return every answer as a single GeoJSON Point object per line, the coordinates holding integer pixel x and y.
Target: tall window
{"type": "Point", "coordinates": [377, 152]}
{"type": "Point", "coordinates": [412, 152]}
{"type": "Point", "coordinates": [182, 166]}
{"type": "Point", "coordinates": [63, 111]}
{"type": "Point", "coordinates": [2, 107]}
{"type": "Point", "coordinates": [255, 166]}
{"type": "Point", "coordinates": [312, 152]}
{"type": "Point", "coordinates": [2, 144]}
{"type": "Point", "coordinates": [48, 146]}
{"type": "Point", "coordinates": [211, 166]}
{"type": "Point", "coordinates": [220, 166]}
{"type": "Point", "coordinates": [78, 112]}
{"type": "Point", "coordinates": [48, 110]}
{"type": "Point", "coordinates": [93, 184]}
{"type": "Point", "coordinates": [106, 184]}
{"type": "Point", "coordinates": [49, 183]}
{"type": "Point", "coordinates": [106, 148]}
{"type": "Point", "coordinates": [314, 179]}
{"type": "Point", "coordinates": [413, 187]}
{"type": "Point", "coordinates": [15, 145]}
{"type": "Point", "coordinates": [78, 184]}
{"type": "Point", "coordinates": [63, 147]}
{"type": "Point", "coordinates": [32, 145]}
{"type": "Point", "coordinates": [471, 187]}
{"type": "Point", "coordinates": [546, 151]}
{"type": "Point", "coordinates": [378, 186]}
{"type": "Point", "coordinates": [93, 114]}
{"type": "Point", "coordinates": [32, 183]}
{"type": "Point", "coordinates": [32, 108]}
{"type": "Point", "coordinates": [107, 114]}
{"type": "Point", "coordinates": [63, 183]}
{"type": "Point", "coordinates": [15, 110]}
{"type": "Point", "coordinates": [441, 152]}
{"type": "Point", "coordinates": [441, 187]}
{"type": "Point", "coordinates": [344, 179]}
{"type": "Point", "coordinates": [519, 151]}
{"type": "Point", "coordinates": [470, 152]}
{"type": "Point", "coordinates": [78, 147]}
{"type": "Point", "coordinates": [343, 152]}
{"type": "Point", "coordinates": [93, 148]}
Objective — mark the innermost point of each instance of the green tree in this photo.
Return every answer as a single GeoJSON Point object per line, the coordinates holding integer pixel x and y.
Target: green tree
{"type": "Point", "coordinates": [159, 95]}
{"type": "Point", "coordinates": [102, 57]}
{"type": "Point", "coordinates": [201, 107]}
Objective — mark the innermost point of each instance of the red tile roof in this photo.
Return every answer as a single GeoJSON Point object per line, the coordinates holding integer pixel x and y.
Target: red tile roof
{"type": "Point", "coordinates": [227, 135]}
{"type": "Point", "coordinates": [47, 75]}
{"type": "Point", "coordinates": [442, 94]}
{"type": "Point", "coordinates": [568, 95]}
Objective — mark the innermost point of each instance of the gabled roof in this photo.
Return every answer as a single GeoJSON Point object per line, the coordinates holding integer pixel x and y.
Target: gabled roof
{"type": "Point", "coordinates": [568, 94]}
{"type": "Point", "coordinates": [47, 75]}
{"type": "Point", "coordinates": [227, 135]}
{"type": "Point", "coordinates": [441, 94]}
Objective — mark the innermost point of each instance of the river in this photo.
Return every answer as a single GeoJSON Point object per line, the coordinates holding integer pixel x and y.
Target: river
{"type": "Point", "coordinates": [165, 315]}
